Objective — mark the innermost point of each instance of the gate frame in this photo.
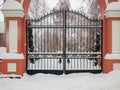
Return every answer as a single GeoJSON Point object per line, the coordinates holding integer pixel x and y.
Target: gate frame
{"type": "Point", "coordinates": [64, 12]}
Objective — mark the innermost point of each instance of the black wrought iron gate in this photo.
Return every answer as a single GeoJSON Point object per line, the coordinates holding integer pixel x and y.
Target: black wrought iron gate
{"type": "Point", "coordinates": [64, 41]}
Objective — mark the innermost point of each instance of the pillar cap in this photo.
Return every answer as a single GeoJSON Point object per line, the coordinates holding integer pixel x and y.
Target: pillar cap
{"type": "Point", "coordinates": [13, 8]}
{"type": "Point", "coordinates": [112, 10]}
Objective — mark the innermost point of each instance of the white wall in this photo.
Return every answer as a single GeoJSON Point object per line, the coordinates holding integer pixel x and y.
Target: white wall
{"type": "Point", "coordinates": [1, 15]}
{"type": "Point", "coordinates": [1, 19]}
{"type": "Point", "coordinates": [115, 36]}
{"type": "Point", "coordinates": [2, 26]}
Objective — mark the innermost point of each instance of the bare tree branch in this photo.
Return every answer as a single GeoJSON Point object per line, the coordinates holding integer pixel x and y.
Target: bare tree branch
{"type": "Point", "coordinates": [37, 8]}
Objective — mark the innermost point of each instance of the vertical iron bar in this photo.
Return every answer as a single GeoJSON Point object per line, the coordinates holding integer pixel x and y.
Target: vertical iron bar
{"type": "Point", "coordinates": [50, 39]}
{"type": "Point", "coordinates": [35, 38]}
{"type": "Point", "coordinates": [101, 38]}
{"type": "Point", "coordinates": [41, 38]}
{"type": "Point", "coordinates": [94, 42]}
{"type": "Point", "coordinates": [27, 44]}
{"type": "Point", "coordinates": [68, 36]}
{"type": "Point", "coordinates": [90, 37]}
{"type": "Point", "coordinates": [81, 35]}
{"type": "Point", "coordinates": [71, 35]}
{"type": "Point", "coordinates": [88, 45]}
{"type": "Point", "coordinates": [61, 41]}
{"type": "Point", "coordinates": [34, 29]}
{"type": "Point", "coordinates": [77, 32]}
{"type": "Point", "coordinates": [38, 38]}
{"type": "Point", "coordinates": [47, 37]}
{"type": "Point", "coordinates": [64, 41]}
{"type": "Point", "coordinates": [41, 42]}
{"type": "Point", "coordinates": [44, 36]}
{"type": "Point", "coordinates": [44, 41]}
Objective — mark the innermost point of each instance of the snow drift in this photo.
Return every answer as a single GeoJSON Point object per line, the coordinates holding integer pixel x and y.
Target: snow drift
{"type": "Point", "coordinates": [81, 81]}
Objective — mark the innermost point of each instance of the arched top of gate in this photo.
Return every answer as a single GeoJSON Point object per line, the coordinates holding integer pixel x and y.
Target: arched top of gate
{"type": "Point", "coordinates": [64, 17]}
{"type": "Point", "coordinates": [58, 14]}
{"type": "Point", "coordinates": [79, 14]}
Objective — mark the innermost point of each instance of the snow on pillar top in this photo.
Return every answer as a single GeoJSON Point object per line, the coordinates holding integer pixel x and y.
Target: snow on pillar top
{"type": "Point", "coordinates": [113, 10]}
{"type": "Point", "coordinates": [12, 8]}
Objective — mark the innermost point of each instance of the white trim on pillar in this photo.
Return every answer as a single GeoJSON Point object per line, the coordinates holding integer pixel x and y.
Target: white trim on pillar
{"type": "Point", "coordinates": [112, 10]}
{"type": "Point", "coordinates": [13, 13]}
{"type": "Point", "coordinates": [12, 8]}
{"type": "Point", "coordinates": [115, 36]}
{"type": "Point", "coordinates": [107, 2]}
{"type": "Point", "coordinates": [22, 1]}
{"type": "Point", "coordinates": [111, 13]}
{"type": "Point", "coordinates": [112, 56]}
{"type": "Point", "coordinates": [13, 36]}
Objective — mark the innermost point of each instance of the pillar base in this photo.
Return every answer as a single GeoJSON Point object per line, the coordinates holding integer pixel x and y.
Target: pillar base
{"type": "Point", "coordinates": [12, 66]}
{"type": "Point", "coordinates": [111, 62]}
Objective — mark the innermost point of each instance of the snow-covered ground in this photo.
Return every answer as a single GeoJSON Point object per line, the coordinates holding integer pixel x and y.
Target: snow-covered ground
{"type": "Point", "coordinates": [80, 81]}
